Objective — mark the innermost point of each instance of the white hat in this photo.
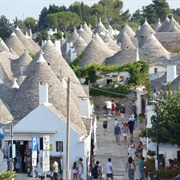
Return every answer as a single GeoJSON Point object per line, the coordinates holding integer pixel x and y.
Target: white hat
{"type": "Point", "coordinates": [130, 118]}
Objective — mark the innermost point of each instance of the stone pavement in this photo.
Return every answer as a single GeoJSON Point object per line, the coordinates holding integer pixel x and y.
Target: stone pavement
{"type": "Point", "coordinates": [107, 147]}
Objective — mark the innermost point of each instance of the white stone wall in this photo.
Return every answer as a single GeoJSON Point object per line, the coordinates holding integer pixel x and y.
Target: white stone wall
{"type": "Point", "coordinates": [42, 121]}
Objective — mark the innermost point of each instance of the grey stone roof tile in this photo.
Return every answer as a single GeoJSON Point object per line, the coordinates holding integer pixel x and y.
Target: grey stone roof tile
{"type": "Point", "coordinates": [27, 98]}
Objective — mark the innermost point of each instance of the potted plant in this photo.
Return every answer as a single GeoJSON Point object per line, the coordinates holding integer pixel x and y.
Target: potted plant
{"type": "Point", "coordinates": [8, 175]}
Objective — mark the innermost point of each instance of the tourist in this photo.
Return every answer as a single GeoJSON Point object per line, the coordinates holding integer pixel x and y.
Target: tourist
{"type": "Point", "coordinates": [96, 171]}
{"type": "Point", "coordinates": [130, 166]}
{"type": "Point", "coordinates": [141, 168]}
{"type": "Point", "coordinates": [108, 107]}
{"type": "Point", "coordinates": [135, 119]}
{"type": "Point", "coordinates": [125, 132]}
{"type": "Point", "coordinates": [115, 122]}
{"type": "Point", "coordinates": [131, 127]}
{"type": "Point", "coordinates": [122, 112]}
{"type": "Point", "coordinates": [74, 171]}
{"type": "Point", "coordinates": [113, 108]}
{"type": "Point", "coordinates": [105, 123]}
{"type": "Point", "coordinates": [55, 169]}
{"type": "Point", "coordinates": [131, 149]}
{"type": "Point", "coordinates": [80, 169]}
{"type": "Point", "coordinates": [117, 132]}
{"type": "Point", "coordinates": [109, 170]}
{"type": "Point", "coordinates": [139, 150]}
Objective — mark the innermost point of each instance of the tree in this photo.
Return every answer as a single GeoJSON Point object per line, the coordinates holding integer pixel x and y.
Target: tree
{"type": "Point", "coordinates": [114, 14]}
{"type": "Point", "coordinates": [30, 23]}
{"type": "Point", "coordinates": [63, 20]}
{"type": "Point", "coordinates": [42, 19]}
{"type": "Point", "coordinates": [19, 23]}
{"type": "Point", "coordinates": [176, 14]}
{"type": "Point", "coordinates": [158, 9]}
{"type": "Point", "coordinates": [168, 119]}
{"type": "Point", "coordinates": [82, 10]}
{"type": "Point", "coordinates": [162, 8]}
{"type": "Point", "coordinates": [5, 27]}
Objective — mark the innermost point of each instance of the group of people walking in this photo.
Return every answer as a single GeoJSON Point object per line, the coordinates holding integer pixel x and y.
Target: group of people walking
{"type": "Point", "coordinates": [126, 130]}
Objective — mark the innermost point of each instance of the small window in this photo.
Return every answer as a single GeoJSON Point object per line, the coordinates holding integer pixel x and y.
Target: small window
{"type": "Point", "coordinates": [155, 70]}
{"type": "Point", "coordinates": [59, 146]}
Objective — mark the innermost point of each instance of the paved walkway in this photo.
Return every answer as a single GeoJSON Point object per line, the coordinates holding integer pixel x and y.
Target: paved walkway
{"type": "Point", "coordinates": [107, 147]}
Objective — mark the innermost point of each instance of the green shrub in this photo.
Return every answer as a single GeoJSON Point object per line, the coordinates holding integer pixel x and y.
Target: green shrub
{"type": "Point", "coordinates": [8, 175]}
{"type": "Point", "coordinates": [119, 92]}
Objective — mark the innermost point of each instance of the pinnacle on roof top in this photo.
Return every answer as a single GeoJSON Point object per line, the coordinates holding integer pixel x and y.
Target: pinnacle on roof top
{"type": "Point", "coordinates": [13, 34]}
{"type": "Point", "coordinates": [17, 28]}
{"type": "Point", "coordinates": [41, 58]}
{"type": "Point", "coordinates": [145, 22]}
{"type": "Point", "coordinates": [14, 84]}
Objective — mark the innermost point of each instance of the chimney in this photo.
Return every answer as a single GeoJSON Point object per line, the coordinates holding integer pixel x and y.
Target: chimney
{"type": "Point", "coordinates": [73, 54]}
{"type": "Point", "coordinates": [171, 73]}
{"type": "Point", "coordinates": [57, 45]}
{"type": "Point", "coordinates": [43, 93]}
{"type": "Point", "coordinates": [137, 55]}
{"type": "Point", "coordinates": [68, 46]}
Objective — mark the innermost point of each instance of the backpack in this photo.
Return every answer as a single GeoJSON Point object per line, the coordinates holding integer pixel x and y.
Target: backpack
{"type": "Point", "coordinates": [95, 171]}
{"type": "Point", "coordinates": [122, 110]}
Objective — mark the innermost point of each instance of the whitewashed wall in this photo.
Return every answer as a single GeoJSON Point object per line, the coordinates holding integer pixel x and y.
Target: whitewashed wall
{"type": "Point", "coordinates": [42, 120]}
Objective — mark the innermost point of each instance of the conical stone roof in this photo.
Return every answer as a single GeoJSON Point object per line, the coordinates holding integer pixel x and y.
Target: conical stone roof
{"type": "Point", "coordinates": [59, 66]}
{"type": "Point", "coordinates": [174, 29]}
{"type": "Point", "coordinates": [6, 94]}
{"type": "Point", "coordinates": [110, 43]}
{"type": "Point", "coordinates": [27, 96]}
{"type": "Point", "coordinates": [102, 44]}
{"type": "Point", "coordinates": [24, 40]}
{"type": "Point", "coordinates": [3, 46]}
{"type": "Point", "coordinates": [164, 24]}
{"type": "Point", "coordinates": [144, 33]}
{"type": "Point", "coordinates": [170, 25]}
{"type": "Point", "coordinates": [23, 61]}
{"type": "Point", "coordinates": [127, 29]}
{"type": "Point", "coordinates": [73, 37]}
{"type": "Point", "coordinates": [99, 28]}
{"type": "Point", "coordinates": [87, 29]}
{"type": "Point", "coordinates": [5, 115]}
{"type": "Point", "coordinates": [79, 45]}
{"type": "Point", "coordinates": [13, 42]}
{"type": "Point", "coordinates": [158, 25]}
{"type": "Point", "coordinates": [85, 35]}
{"type": "Point", "coordinates": [63, 46]}
{"type": "Point", "coordinates": [5, 63]}
{"type": "Point", "coordinates": [121, 57]}
{"type": "Point", "coordinates": [126, 42]}
{"type": "Point", "coordinates": [93, 53]}
{"type": "Point", "coordinates": [152, 49]}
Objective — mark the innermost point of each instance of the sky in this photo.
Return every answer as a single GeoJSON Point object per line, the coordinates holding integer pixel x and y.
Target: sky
{"type": "Point", "coordinates": [32, 8]}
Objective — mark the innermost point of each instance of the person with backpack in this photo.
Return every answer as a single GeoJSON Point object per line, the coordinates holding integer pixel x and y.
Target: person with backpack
{"type": "Point", "coordinates": [95, 171]}
{"type": "Point", "coordinates": [122, 112]}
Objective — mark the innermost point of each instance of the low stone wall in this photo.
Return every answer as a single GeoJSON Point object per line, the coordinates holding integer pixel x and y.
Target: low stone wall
{"type": "Point", "coordinates": [128, 103]}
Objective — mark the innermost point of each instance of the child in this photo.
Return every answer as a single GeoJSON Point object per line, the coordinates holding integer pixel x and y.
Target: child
{"type": "Point", "coordinates": [115, 122]}
{"type": "Point", "coordinates": [74, 171]}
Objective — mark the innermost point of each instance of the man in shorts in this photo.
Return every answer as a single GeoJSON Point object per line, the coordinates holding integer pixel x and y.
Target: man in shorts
{"type": "Point", "coordinates": [55, 169]}
{"type": "Point", "coordinates": [109, 170]}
